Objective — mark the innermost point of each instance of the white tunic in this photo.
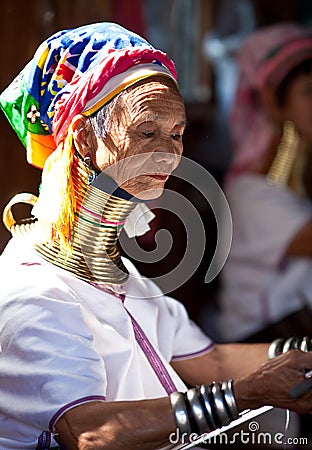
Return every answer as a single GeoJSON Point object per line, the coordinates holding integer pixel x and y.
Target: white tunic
{"type": "Point", "coordinates": [258, 285]}
{"type": "Point", "coordinates": [65, 342]}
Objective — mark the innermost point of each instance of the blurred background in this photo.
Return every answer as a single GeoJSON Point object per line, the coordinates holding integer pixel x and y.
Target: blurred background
{"type": "Point", "coordinates": [201, 36]}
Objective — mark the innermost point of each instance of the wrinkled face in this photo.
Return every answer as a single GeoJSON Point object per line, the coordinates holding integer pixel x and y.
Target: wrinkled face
{"type": "Point", "coordinates": [144, 142]}
{"type": "Point", "coordinates": [298, 107]}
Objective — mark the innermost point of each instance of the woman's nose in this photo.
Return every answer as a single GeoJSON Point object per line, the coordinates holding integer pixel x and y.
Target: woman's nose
{"type": "Point", "coordinates": [165, 161]}
{"type": "Point", "coordinates": [162, 155]}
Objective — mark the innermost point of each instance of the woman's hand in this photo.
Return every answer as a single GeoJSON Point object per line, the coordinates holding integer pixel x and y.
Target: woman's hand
{"type": "Point", "coordinates": [271, 383]}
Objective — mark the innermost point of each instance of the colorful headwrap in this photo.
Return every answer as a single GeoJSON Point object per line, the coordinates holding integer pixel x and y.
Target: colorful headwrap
{"type": "Point", "coordinates": [75, 71]}
{"type": "Point", "coordinates": [265, 58]}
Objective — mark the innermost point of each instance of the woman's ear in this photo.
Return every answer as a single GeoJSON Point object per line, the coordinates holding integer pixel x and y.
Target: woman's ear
{"type": "Point", "coordinates": [273, 109]}
{"type": "Point", "coordinates": [83, 136]}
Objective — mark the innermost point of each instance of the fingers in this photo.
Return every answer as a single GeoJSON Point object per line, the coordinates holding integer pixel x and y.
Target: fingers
{"type": "Point", "coordinates": [292, 369]}
{"type": "Point", "coordinates": [277, 382]}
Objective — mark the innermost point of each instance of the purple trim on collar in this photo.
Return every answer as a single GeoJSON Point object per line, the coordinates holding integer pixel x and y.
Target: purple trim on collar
{"type": "Point", "coordinates": [28, 263]}
{"type": "Point", "coordinates": [44, 440]}
{"type": "Point", "coordinates": [194, 354]}
{"type": "Point", "coordinates": [80, 401]}
{"type": "Point", "coordinates": [152, 357]}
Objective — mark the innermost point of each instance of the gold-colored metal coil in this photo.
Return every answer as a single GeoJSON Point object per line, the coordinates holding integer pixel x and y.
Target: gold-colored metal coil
{"type": "Point", "coordinates": [283, 162]}
{"type": "Point", "coordinates": [95, 255]}
{"type": "Point", "coordinates": [7, 215]}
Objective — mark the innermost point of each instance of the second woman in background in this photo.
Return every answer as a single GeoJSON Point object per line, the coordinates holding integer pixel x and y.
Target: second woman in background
{"type": "Point", "coordinates": [267, 280]}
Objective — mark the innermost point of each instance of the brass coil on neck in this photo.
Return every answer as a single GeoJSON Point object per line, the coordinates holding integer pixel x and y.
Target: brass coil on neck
{"type": "Point", "coordinates": [99, 217]}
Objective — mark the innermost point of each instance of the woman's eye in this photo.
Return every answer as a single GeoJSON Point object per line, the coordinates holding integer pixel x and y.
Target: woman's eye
{"type": "Point", "coordinates": [148, 134]}
{"type": "Point", "coordinates": [176, 136]}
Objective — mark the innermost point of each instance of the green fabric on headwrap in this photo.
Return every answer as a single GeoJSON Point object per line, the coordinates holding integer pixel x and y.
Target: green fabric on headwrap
{"type": "Point", "coordinates": [16, 104]}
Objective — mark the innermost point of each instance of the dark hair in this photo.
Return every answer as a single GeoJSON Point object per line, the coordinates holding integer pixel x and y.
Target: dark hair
{"type": "Point", "coordinates": [303, 68]}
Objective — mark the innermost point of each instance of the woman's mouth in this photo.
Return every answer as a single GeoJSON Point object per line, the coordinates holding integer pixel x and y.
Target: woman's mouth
{"type": "Point", "coordinates": [160, 177]}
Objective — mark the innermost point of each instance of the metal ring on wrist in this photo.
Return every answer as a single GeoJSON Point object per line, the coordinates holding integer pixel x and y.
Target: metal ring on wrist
{"type": "Point", "coordinates": [179, 408]}
{"type": "Point", "coordinates": [227, 390]}
{"type": "Point", "coordinates": [220, 408]}
{"type": "Point", "coordinates": [283, 345]}
{"type": "Point", "coordinates": [306, 344]}
{"type": "Point", "coordinates": [297, 343]}
{"type": "Point", "coordinates": [288, 344]}
{"type": "Point", "coordinates": [197, 410]}
{"type": "Point", "coordinates": [205, 393]}
{"type": "Point", "coordinates": [275, 347]}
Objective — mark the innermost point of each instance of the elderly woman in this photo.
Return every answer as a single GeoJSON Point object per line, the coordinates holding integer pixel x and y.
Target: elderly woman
{"type": "Point", "coordinates": [93, 355]}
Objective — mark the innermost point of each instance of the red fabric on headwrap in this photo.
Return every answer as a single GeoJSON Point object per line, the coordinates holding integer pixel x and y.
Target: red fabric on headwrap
{"type": "Point", "coordinates": [86, 86]}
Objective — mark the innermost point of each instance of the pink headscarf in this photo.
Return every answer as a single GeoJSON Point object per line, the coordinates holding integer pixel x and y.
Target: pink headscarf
{"type": "Point", "coordinates": [264, 59]}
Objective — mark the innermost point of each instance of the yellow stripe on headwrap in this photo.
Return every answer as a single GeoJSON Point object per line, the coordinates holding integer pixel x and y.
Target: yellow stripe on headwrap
{"type": "Point", "coordinates": [121, 81]}
{"type": "Point", "coordinates": [98, 105]}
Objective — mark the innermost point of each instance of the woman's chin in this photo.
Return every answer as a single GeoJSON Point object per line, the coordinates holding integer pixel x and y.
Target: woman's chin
{"type": "Point", "coordinates": [150, 194]}
{"type": "Point", "coordinates": [146, 191]}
